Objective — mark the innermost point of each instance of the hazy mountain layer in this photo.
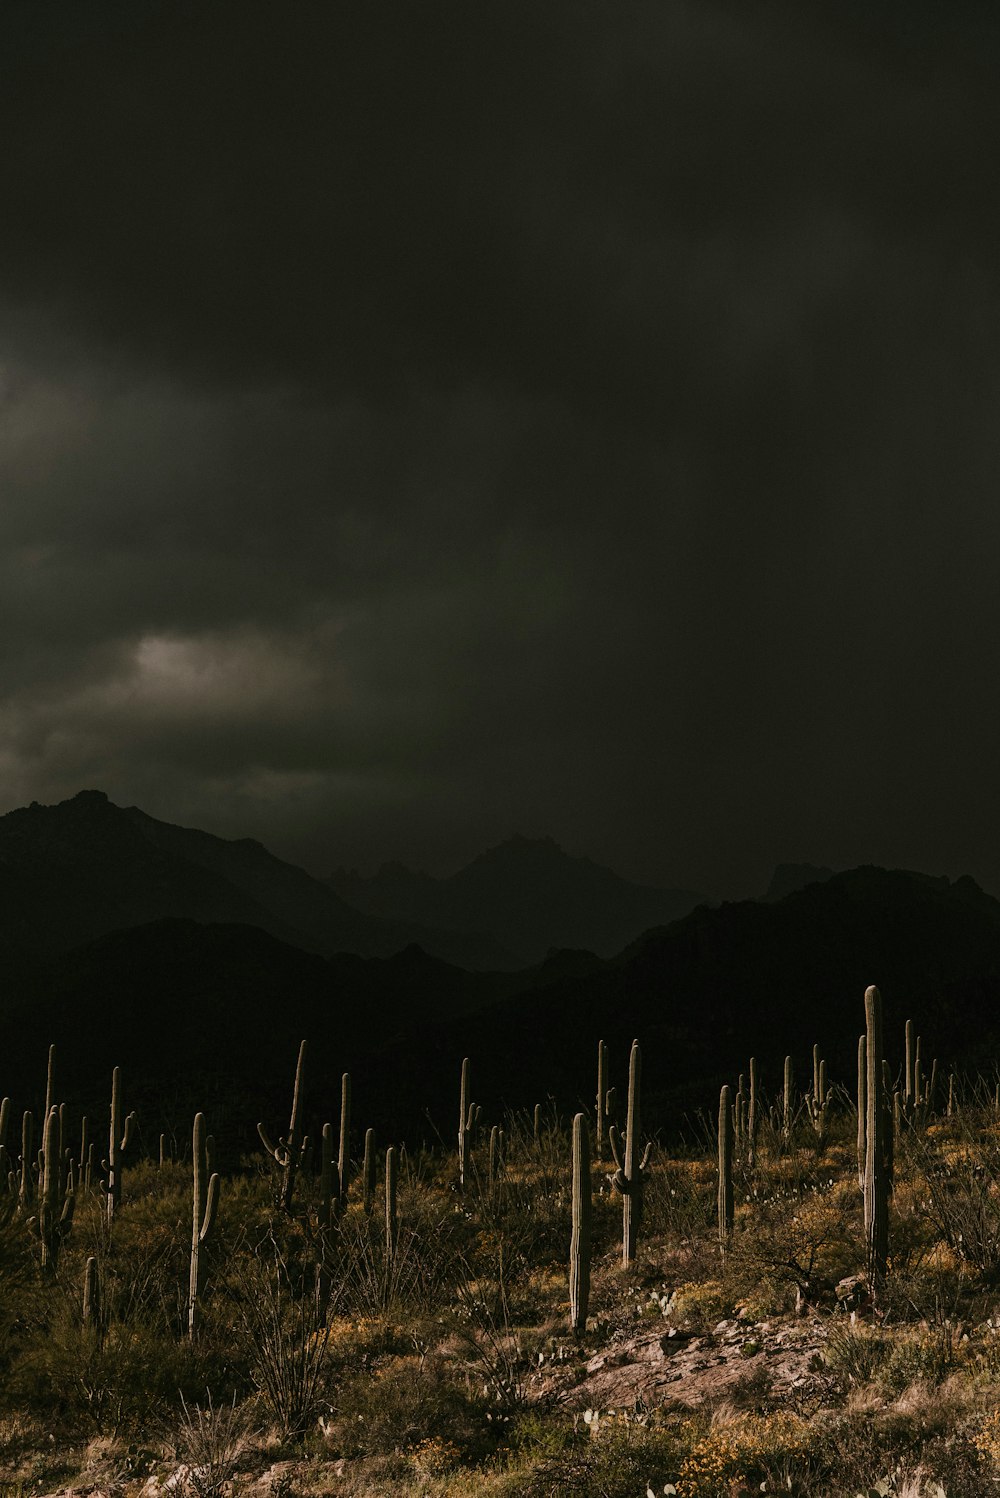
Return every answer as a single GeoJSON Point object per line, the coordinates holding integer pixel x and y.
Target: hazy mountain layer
{"type": "Point", "coordinates": [200, 1013]}
{"type": "Point", "coordinates": [528, 892]}
{"type": "Point", "coordinates": [77, 870]}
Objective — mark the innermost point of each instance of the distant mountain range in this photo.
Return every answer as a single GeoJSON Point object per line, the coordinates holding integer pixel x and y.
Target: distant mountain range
{"type": "Point", "coordinates": [198, 964]}
{"type": "Point", "coordinates": [85, 867]}
{"type": "Point", "coordinates": [82, 868]}
{"type": "Point", "coordinates": [529, 893]}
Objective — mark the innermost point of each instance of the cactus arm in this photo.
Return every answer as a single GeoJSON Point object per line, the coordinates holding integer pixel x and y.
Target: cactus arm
{"type": "Point", "coordinates": [277, 1152]}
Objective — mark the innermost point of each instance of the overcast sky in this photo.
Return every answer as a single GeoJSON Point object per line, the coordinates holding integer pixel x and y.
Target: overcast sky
{"type": "Point", "coordinates": [425, 422]}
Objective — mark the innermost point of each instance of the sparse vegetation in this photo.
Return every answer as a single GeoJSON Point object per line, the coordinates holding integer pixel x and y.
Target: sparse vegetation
{"type": "Point", "coordinates": [468, 1324]}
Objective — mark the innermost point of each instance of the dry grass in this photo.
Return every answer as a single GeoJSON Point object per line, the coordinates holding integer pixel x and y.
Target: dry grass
{"type": "Point", "coordinates": [440, 1368]}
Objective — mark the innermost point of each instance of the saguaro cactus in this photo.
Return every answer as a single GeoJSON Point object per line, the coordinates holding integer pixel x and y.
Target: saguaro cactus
{"type": "Point", "coordinates": [286, 1152]}
{"type": "Point", "coordinates": [862, 1109]}
{"type": "Point", "coordinates": [628, 1175]}
{"type": "Point", "coordinates": [469, 1114]}
{"type": "Point", "coordinates": [26, 1181]}
{"type": "Point", "coordinates": [788, 1103]}
{"type": "Point", "coordinates": [368, 1172]}
{"type": "Point", "coordinates": [5, 1161]}
{"type": "Point", "coordinates": [50, 1082]}
{"type": "Point", "coordinates": [118, 1143]}
{"type": "Point", "coordinates": [55, 1211]}
{"type": "Point", "coordinates": [391, 1201]}
{"type": "Point", "coordinates": [344, 1151]}
{"type": "Point", "coordinates": [495, 1164]}
{"type": "Point", "coordinates": [204, 1205]}
{"type": "Point", "coordinates": [725, 1166]}
{"type": "Point", "coordinates": [91, 1296]}
{"type": "Point", "coordinates": [753, 1114]}
{"type": "Point", "coordinates": [876, 1181]}
{"type": "Point", "coordinates": [579, 1247]}
{"type": "Point", "coordinates": [600, 1111]}
{"type": "Point", "coordinates": [819, 1101]}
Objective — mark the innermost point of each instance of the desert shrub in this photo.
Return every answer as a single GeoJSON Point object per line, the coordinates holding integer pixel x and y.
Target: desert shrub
{"type": "Point", "coordinates": [855, 1353]}
{"type": "Point", "coordinates": [747, 1450]}
{"type": "Point", "coordinates": [927, 1355]}
{"type": "Point", "coordinates": [416, 1278]}
{"type": "Point", "coordinates": [699, 1305]}
{"type": "Point", "coordinates": [123, 1382]}
{"type": "Point", "coordinates": [285, 1353]}
{"type": "Point", "coordinates": [959, 1188]}
{"type": "Point", "coordinates": [404, 1403]}
{"type": "Point", "coordinates": [210, 1440]}
{"type": "Point", "coordinates": [679, 1199]}
{"type": "Point", "coordinates": [485, 1341]}
{"type": "Point", "coordinates": [621, 1461]}
{"type": "Point", "coordinates": [806, 1243]}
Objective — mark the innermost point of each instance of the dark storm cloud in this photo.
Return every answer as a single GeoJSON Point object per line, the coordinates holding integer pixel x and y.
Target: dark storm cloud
{"type": "Point", "coordinates": [425, 421]}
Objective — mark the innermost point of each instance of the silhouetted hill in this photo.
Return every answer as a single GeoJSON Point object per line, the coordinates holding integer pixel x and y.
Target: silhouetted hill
{"type": "Point", "coordinates": [750, 978]}
{"type": "Point", "coordinates": [193, 1011]}
{"type": "Point", "coordinates": [72, 872]}
{"type": "Point", "coordinates": [211, 1015]}
{"type": "Point", "coordinates": [789, 877]}
{"type": "Point", "coordinates": [529, 893]}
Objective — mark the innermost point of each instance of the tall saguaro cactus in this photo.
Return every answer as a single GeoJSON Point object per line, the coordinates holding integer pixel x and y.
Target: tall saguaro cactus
{"type": "Point", "coordinates": [368, 1172]}
{"type": "Point", "coordinates": [876, 1175]}
{"type": "Point", "coordinates": [26, 1181]}
{"type": "Point", "coordinates": [579, 1248]}
{"type": "Point", "coordinates": [55, 1210]}
{"type": "Point", "coordinates": [344, 1151]}
{"type": "Point", "coordinates": [91, 1296]}
{"type": "Point", "coordinates": [601, 1110]}
{"type": "Point", "coordinates": [5, 1161]}
{"type": "Point", "coordinates": [725, 1210]}
{"type": "Point", "coordinates": [753, 1115]}
{"type": "Point", "coordinates": [468, 1119]}
{"type": "Point", "coordinates": [862, 1109]}
{"type": "Point", "coordinates": [627, 1178]}
{"type": "Point", "coordinates": [788, 1103]}
{"type": "Point", "coordinates": [204, 1205]}
{"type": "Point", "coordinates": [286, 1152]}
{"type": "Point", "coordinates": [118, 1142]}
{"type": "Point", "coordinates": [391, 1202]}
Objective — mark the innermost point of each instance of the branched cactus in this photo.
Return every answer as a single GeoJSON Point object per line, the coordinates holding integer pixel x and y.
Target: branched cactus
{"type": "Point", "coordinates": [287, 1152]}
{"type": "Point", "coordinates": [119, 1139]}
{"type": "Point", "coordinates": [601, 1120]}
{"type": "Point", "coordinates": [469, 1114]}
{"type": "Point", "coordinates": [630, 1168]}
{"type": "Point", "coordinates": [818, 1102]}
{"type": "Point", "coordinates": [55, 1208]}
{"type": "Point", "coordinates": [579, 1248]}
{"type": "Point", "coordinates": [204, 1204]}
{"type": "Point", "coordinates": [725, 1206]}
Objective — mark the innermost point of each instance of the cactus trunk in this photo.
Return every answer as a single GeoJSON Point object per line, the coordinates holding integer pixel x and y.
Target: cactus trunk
{"type": "Point", "coordinates": [579, 1249]}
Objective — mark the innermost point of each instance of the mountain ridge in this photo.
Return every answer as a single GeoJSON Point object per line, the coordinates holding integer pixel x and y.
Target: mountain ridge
{"type": "Point", "coordinates": [529, 892]}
